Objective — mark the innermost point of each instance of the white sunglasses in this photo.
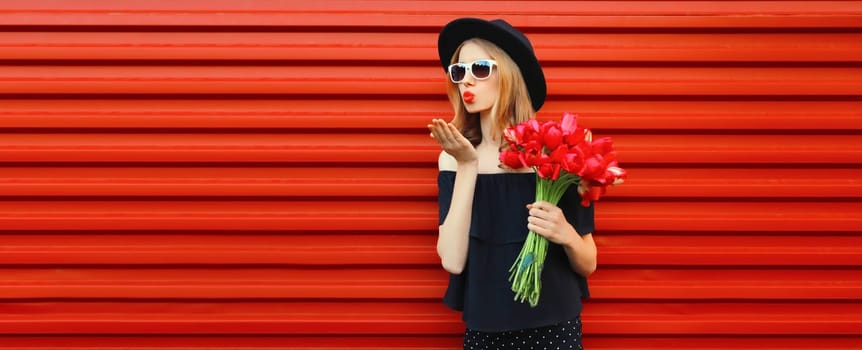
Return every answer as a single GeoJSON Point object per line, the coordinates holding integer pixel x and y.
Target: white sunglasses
{"type": "Point", "coordinates": [479, 69]}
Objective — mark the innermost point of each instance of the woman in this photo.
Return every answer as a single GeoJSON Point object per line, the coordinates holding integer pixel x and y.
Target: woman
{"type": "Point", "coordinates": [495, 81]}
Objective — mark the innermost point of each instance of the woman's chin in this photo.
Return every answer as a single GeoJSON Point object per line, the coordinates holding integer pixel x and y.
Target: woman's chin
{"type": "Point", "coordinates": [472, 109]}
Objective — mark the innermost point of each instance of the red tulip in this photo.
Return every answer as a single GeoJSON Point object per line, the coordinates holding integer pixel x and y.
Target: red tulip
{"type": "Point", "coordinates": [518, 132]}
{"type": "Point", "coordinates": [534, 125]}
{"type": "Point", "coordinates": [558, 155]}
{"type": "Point", "coordinates": [574, 163]}
{"type": "Point", "coordinates": [592, 168]}
{"type": "Point", "coordinates": [569, 124]}
{"type": "Point", "coordinates": [549, 170]}
{"type": "Point", "coordinates": [534, 144]}
{"type": "Point", "coordinates": [574, 138]}
{"type": "Point", "coordinates": [619, 174]}
{"type": "Point", "coordinates": [510, 137]}
{"type": "Point", "coordinates": [590, 192]}
{"type": "Point", "coordinates": [531, 157]}
{"type": "Point", "coordinates": [511, 159]}
{"type": "Point", "coordinates": [602, 146]}
{"type": "Point", "coordinates": [552, 135]}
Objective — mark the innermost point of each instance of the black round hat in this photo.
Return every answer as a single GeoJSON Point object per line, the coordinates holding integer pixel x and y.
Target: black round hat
{"type": "Point", "coordinates": [502, 34]}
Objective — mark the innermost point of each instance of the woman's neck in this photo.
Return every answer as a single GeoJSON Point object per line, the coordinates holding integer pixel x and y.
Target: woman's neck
{"type": "Point", "coordinates": [488, 129]}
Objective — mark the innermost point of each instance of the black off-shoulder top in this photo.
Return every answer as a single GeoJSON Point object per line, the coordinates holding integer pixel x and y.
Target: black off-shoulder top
{"type": "Point", "coordinates": [497, 233]}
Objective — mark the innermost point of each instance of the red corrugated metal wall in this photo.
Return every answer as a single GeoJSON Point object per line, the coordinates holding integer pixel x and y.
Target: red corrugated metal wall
{"type": "Point", "coordinates": [257, 174]}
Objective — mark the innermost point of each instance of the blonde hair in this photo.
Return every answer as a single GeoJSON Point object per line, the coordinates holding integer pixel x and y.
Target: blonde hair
{"type": "Point", "coordinates": [513, 103]}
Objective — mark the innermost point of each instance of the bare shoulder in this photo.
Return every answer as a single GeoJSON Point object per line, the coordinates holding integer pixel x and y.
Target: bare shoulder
{"type": "Point", "coordinates": [446, 162]}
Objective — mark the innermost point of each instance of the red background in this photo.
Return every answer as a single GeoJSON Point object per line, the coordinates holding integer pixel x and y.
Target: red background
{"type": "Point", "coordinates": [257, 174]}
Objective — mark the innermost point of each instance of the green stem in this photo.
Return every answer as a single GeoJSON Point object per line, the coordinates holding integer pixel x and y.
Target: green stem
{"type": "Point", "coordinates": [526, 272]}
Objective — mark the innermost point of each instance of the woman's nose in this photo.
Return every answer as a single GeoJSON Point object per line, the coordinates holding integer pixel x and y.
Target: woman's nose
{"type": "Point", "coordinates": [468, 80]}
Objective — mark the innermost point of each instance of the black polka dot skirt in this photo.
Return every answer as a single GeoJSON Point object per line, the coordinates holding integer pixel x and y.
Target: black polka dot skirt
{"type": "Point", "coordinates": [562, 336]}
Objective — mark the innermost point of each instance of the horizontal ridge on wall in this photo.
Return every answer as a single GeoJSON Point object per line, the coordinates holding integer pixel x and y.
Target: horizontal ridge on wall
{"type": "Point", "coordinates": [689, 248]}
{"type": "Point", "coordinates": [328, 182]}
{"type": "Point", "coordinates": [385, 283]}
{"type": "Point", "coordinates": [557, 15]}
{"type": "Point", "coordinates": [415, 317]}
{"type": "Point", "coordinates": [208, 115]}
{"type": "Point", "coordinates": [684, 216]}
{"type": "Point", "coordinates": [371, 148]}
{"type": "Point", "coordinates": [414, 342]}
{"type": "Point", "coordinates": [428, 80]}
{"type": "Point", "coordinates": [113, 48]}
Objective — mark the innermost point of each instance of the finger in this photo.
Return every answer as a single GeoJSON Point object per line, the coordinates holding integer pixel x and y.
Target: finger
{"type": "Point", "coordinates": [434, 133]}
{"type": "Point", "coordinates": [540, 222]}
{"type": "Point", "coordinates": [431, 131]}
{"type": "Point", "coordinates": [543, 227]}
{"type": "Point", "coordinates": [533, 227]}
{"type": "Point", "coordinates": [437, 138]}
{"type": "Point", "coordinates": [538, 213]}
{"type": "Point", "coordinates": [552, 215]}
{"type": "Point", "coordinates": [538, 230]}
{"type": "Point", "coordinates": [447, 130]}
{"type": "Point", "coordinates": [535, 206]}
{"type": "Point", "coordinates": [440, 127]}
{"type": "Point", "coordinates": [439, 132]}
{"type": "Point", "coordinates": [435, 130]}
{"type": "Point", "coordinates": [538, 208]}
{"type": "Point", "coordinates": [544, 205]}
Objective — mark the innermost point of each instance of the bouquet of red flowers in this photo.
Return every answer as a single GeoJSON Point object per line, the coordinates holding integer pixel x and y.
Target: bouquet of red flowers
{"type": "Point", "coordinates": [562, 154]}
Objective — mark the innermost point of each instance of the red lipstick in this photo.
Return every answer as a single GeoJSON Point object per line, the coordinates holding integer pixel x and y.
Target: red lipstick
{"type": "Point", "coordinates": [468, 97]}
